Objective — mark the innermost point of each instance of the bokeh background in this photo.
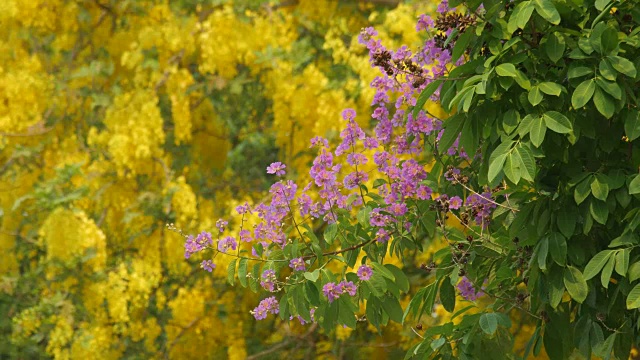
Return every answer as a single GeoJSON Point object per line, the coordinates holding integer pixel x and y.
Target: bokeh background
{"type": "Point", "coordinates": [118, 117]}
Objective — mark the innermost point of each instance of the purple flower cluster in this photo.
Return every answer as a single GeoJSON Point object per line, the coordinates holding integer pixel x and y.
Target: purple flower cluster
{"type": "Point", "coordinates": [364, 272]}
{"type": "Point", "coordinates": [267, 306]}
{"type": "Point", "coordinates": [208, 265]}
{"type": "Point", "coordinates": [333, 291]}
{"type": "Point", "coordinates": [221, 225]}
{"type": "Point", "coordinates": [481, 206]}
{"type": "Point", "coordinates": [268, 280]}
{"type": "Point", "coordinates": [276, 168]}
{"type": "Point", "coordinates": [227, 243]}
{"type": "Point", "coordinates": [297, 264]}
{"type": "Point", "coordinates": [196, 244]}
{"type": "Point", "coordinates": [467, 291]}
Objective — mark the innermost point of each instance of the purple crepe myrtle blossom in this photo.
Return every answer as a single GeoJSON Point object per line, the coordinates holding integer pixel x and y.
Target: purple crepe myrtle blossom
{"type": "Point", "coordinates": [331, 291]}
{"type": "Point", "coordinates": [196, 244]}
{"type": "Point", "coordinates": [467, 291]}
{"type": "Point", "coordinates": [245, 235]}
{"type": "Point", "coordinates": [364, 272]}
{"type": "Point", "coordinates": [455, 203]}
{"type": "Point", "coordinates": [424, 23]}
{"type": "Point", "coordinates": [297, 264]}
{"type": "Point", "coordinates": [221, 225]}
{"type": "Point", "coordinates": [208, 265]}
{"type": "Point", "coordinates": [227, 243]}
{"type": "Point", "coordinates": [266, 306]}
{"type": "Point", "coordinates": [382, 235]}
{"type": "Point", "coordinates": [268, 280]}
{"type": "Point", "coordinates": [377, 219]}
{"type": "Point", "coordinates": [398, 209]}
{"type": "Point", "coordinates": [276, 168]}
{"type": "Point", "coordinates": [354, 179]}
{"type": "Point", "coordinates": [319, 141]}
{"type": "Point", "coordinates": [424, 192]}
{"type": "Point", "coordinates": [347, 287]}
{"type": "Point", "coordinates": [243, 209]}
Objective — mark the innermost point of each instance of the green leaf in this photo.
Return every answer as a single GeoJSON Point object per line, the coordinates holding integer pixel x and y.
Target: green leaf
{"type": "Point", "coordinates": [599, 187]}
{"type": "Point", "coordinates": [583, 93]}
{"type": "Point", "coordinates": [527, 162]}
{"type": "Point", "coordinates": [543, 252]}
{"type": "Point", "coordinates": [558, 248]}
{"type": "Point", "coordinates": [601, 4]}
{"type": "Point", "coordinates": [622, 261]}
{"type": "Point", "coordinates": [547, 10]}
{"type": "Point", "coordinates": [556, 288]}
{"type": "Point", "coordinates": [363, 216]}
{"type": "Point", "coordinates": [380, 269]}
{"type": "Point", "coordinates": [634, 271]}
{"type": "Point", "coordinates": [633, 299]}
{"type": "Point", "coordinates": [489, 323]}
{"type": "Point", "coordinates": [425, 95]}
{"type": "Point", "coordinates": [582, 191]}
{"type": "Point", "coordinates": [520, 16]}
{"type": "Point", "coordinates": [604, 103]}
{"type": "Point", "coordinates": [512, 167]}
{"type": "Point", "coordinates": [242, 272]}
{"type": "Point", "coordinates": [452, 127]}
{"type": "Point", "coordinates": [538, 130]}
{"type": "Point", "coordinates": [330, 232]}
{"type": "Point", "coordinates": [400, 277]}
{"type": "Point", "coordinates": [497, 159]}
{"type": "Point", "coordinates": [392, 307]}
{"type": "Point", "coordinates": [555, 46]}
{"type": "Point", "coordinates": [312, 276]}
{"type": "Point", "coordinates": [506, 69]}
{"type": "Point", "coordinates": [623, 66]}
{"type": "Point", "coordinates": [607, 271]}
{"type": "Point", "coordinates": [579, 71]}
{"type": "Point", "coordinates": [606, 70]}
{"type": "Point", "coordinates": [599, 211]}
{"type": "Point", "coordinates": [596, 263]}
{"type": "Point", "coordinates": [461, 45]}
{"type": "Point", "coordinates": [535, 96]}
{"type": "Point", "coordinates": [437, 343]}
{"type": "Point", "coordinates": [550, 88]}
{"type": "Point", "coordinates": [447, 295]}
{"type": "Point", "coordinates": [231, 271]}
{"type": "Point", "coordinates": [575, 284]}
{"type": "Point", "coordinates": [611, 87]}
{"type": "Point", "coordinates": [557, 122]}
{"type": "Point", "coordinates": [632, 124]}
{"type": "Point", "coordinates": [566, 221]}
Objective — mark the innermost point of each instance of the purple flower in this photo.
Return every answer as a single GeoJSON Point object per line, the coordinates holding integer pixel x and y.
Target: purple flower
{"type": "Point", "coordinates": [267, 306]}
{"type": "Point", "coordinates": [398, 209]}
{"type": "Point", "coordinates": [243, 209]}
{"type": "Point", "coordinates": [227, 243]}
{"type": "Point", "coordinates": [364, 272]}
{"type": "Point", "coordinates": [455, 203]}
{"type": "Point", "coordinates": [348, 114]}
{"type": "Point", "coordinates": [467, 291]}
{"type": "Point", "coordinates": [194, 245]}
{"type": "Point", "coordinates": [331, 291]}
{"type": "Point", "coordinates": [319, 141]}
{"type": "Point", "coordinates": [382, 235]}
{"type": "Point", "coordinates": [245, 235]}
{"type": "Point", "coordinates": [208, 265]}
{"type": "Point", "coordinates": [276, 168]}
{"type": "Point", "coordinates": [268, 281]}
{"type": "Point", "coordinates": [347, 287]}
{"type": "Point", "coordinates": [297, 264]}
{"type": "Point", "coordinates": [221, 224]}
